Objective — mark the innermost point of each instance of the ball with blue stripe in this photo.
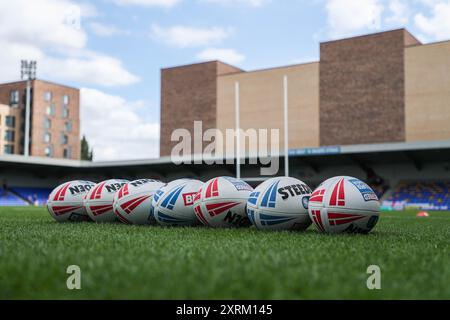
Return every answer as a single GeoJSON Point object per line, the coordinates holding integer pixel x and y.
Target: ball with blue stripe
{"type": "Point", "coordinates": [280, 204]}
{"type": "Point", "coordinates": [173, 203]}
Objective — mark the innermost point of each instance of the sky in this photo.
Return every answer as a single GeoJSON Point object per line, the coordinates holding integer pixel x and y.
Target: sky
{"type": "Point", "coordinates": [113, 50]}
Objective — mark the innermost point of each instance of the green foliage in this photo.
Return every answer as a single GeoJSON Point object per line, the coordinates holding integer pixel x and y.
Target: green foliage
{"type": "Point", "coordinates": [86, 153]}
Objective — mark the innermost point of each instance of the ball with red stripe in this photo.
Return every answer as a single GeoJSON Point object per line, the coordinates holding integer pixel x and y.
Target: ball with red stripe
{"type": "Point", "coordinates": [65, 202]}
{"type": "Point", "coordinates": [221, 202]}
{"type": "Point", "coordinates": [99, 200]}
{"type": "Point", "coordinates": [133, 202]}
{"type": "Point", "coordinates": [344, 204]}
{"type": "Point", "coordinates": [173, 204]}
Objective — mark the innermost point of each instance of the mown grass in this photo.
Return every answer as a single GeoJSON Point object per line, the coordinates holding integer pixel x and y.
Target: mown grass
{"type": "Point", "coordinates": [128, 262]}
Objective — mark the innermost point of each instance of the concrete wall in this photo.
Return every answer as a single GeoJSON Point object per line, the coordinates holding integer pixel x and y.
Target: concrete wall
{"type": "Point", "coordinates": [261, 102]}
{"type": "Point", "coordinates": [427, 107]}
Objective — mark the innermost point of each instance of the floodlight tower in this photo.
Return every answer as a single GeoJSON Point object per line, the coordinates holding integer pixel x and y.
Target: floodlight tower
{"type": "Point", "coordinates": [28, 72]}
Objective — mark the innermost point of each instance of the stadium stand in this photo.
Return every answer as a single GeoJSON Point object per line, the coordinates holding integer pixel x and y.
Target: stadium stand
{"type": "Point", "coordinates": [36, 196]}
{"type": "Point", "coordinates": [414, 174]}
{"type": "Point", "coordinates": [9, 199]}
{"type": "Point", "coordinates": [426, 195]}
{"type": "Point", "coordinates": [377, 183]}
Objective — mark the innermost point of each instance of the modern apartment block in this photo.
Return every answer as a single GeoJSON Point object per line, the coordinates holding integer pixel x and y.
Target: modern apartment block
{"type": "Point", "coordinates": [383, 87]}
{"type": "Point", "coordinates": [55, 119]}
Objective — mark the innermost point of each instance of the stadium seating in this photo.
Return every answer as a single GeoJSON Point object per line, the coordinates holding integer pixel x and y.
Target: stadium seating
{"type": "Point", "coordinates": [37, 196]}
{"type": "Point", "coordinates": [9, 199]}
{"type": "Point", "coordinates": [427, 195]}
{"type": "Point", "coordinates": [379, 190]}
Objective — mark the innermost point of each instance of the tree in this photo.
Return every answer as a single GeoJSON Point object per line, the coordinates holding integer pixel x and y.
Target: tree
{"type": "Point", "coordinates": [86, 152]}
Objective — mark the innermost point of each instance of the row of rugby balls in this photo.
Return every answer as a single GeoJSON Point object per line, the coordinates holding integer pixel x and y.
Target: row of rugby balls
{"type": "Point", "coordinates": [339, 204]}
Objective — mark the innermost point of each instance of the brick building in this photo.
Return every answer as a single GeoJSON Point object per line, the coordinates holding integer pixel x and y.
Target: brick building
{"type": "Point", "coordinates": [55, 119]}
{"type": "Point", "coordinates": [383, 87]}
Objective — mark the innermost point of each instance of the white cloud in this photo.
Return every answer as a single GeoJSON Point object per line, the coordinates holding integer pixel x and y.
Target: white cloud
{"type": "Point", "coordinates": [252, 3]}
{"type": "Point", "coordinates": [345, 17]}
{"type": "Point", "coordinates": [41, 23]}
{"type": "Point", "coordinates": [91, 68]}
{"type": "Point", "coordinates": [399, 12]}
{"type": "Point", "coordinates": [184, 36]}
{"type": "Point", "coordinates": [437, 24]}
{"type": "Point", "coordinates": [147, 3]}
{"type": "Point", "coordinates": [226, 55]}
{"type": "Point", "coordinates": [114, 129]}
{"type": "Point", "coordinates": [88, 10]}
{"type": "Point", "coordinates": [50, 31]}
{"type": "Point", "coordinates": [105, 30]}
{"type": "Point", "coordinates": [10, 56]}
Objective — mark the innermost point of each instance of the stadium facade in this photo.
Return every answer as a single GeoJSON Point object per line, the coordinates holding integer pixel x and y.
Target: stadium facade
{"type": "Point", "coordinates": [377, 88]}
{"type": "Point", "coordinates": [55, 119]}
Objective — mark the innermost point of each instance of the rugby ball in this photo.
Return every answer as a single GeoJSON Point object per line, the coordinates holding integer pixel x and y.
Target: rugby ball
{"type": "Point", "coordinates": [133, 202]}
{"type": "Point", "coordinates": [344, 205]}
{"type": "Point", "coordinates": [221, 203]}
{"type": "Point", "coordinates": [65, 202]}
{"type": "Point", "coordinates": [280, 204]}
{"type": "Point", "coordinates": [173, 205]}
{"type": "Point", "coordinates": [99, 200]}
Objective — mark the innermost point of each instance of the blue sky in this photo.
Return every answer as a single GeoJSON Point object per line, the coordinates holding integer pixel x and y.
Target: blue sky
{"type": "Point", "coordinates": [114, 49]}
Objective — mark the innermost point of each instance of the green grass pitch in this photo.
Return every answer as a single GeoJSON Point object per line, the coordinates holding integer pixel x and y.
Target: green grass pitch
{"type": "Point", "coordinates": [129, 262]}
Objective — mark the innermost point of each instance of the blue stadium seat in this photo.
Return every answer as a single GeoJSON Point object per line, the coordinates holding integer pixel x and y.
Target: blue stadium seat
{"type": "Point", "coordinates": [9, 199]}
{"type": "Point", "coordinates": [428, 195]}
{"type": "Point", "coordinates": [36, 196]}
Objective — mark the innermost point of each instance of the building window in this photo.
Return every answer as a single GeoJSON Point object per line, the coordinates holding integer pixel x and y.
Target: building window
{"type": "Point", "coordinates": [50, 110]}
{"type": "Point", "coordinates": [64, 139]}
{"type": "Point", "coordinates": [65, 112]}
{"type": "Point", "coordinates": [48, 151]}
{"type": "Point", "coordinates": [9, 135]}
{"type": "Point", "coordinates": [67, 153]}
{"type": "Point", "coordinates": [47, 123]}
{"type": "Point", "coordinates": [10, 121]}
{"type": "Point", "coordinates": [14, 97]}
{"type": "Point", "coordinates": [65, 100]}
{"type": "Point", "coordinates": [68, 126]}
{"type": "Point", "coordinates": [47, 137]}
{"type": "Point", "coordinates": [8, 149]}
{"type": "Point", "coordinates": [48, 96]}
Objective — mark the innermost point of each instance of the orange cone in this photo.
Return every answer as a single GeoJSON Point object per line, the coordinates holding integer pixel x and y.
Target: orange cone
{"type": "Point", "coordinates": [422, 214]}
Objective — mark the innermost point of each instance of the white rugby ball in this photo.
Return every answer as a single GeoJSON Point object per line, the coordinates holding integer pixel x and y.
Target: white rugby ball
{"type": "Point", "coordinates": [167, 185]}
{"type": "Point", "coordinates": [133, 202]}
{"type": "Point", "coordinates": [174, 204]}
{"type": "Point", "coordinates": [65, 202]}
{"type": "Point", "coordinates": [99, 200]}
{"type": "Point", "coordinates": [344, 204]}
{"type": "Point", "coordinates": [221, 203]}
{"type": "Point", "coordinates": [280, 204]}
